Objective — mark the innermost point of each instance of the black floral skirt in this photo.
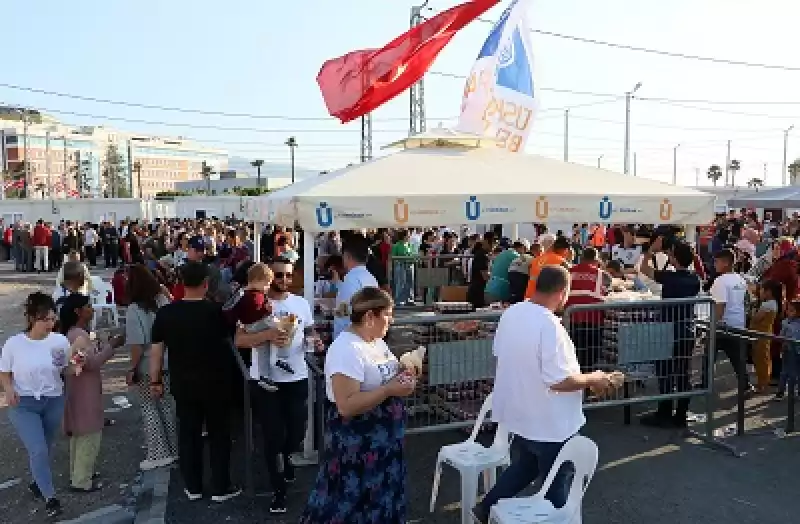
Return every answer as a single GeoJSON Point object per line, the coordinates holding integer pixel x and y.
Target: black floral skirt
{"type": "Point", "coordinates": [363, 472]}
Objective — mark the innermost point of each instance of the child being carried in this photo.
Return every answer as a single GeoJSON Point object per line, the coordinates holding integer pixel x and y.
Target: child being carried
{"type": "Point", "coordinates": [251, 307]}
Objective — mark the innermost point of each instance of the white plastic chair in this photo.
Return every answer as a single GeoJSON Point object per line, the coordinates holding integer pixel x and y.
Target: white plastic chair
{"type": "Point", "coordinates": [470, 459]}
{"type": "Point", "coordinates": [103, 300]}
{"type": "Point", "coordinates": [582, 453]}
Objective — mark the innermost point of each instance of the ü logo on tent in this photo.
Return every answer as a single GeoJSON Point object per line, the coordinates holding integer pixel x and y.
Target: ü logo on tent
{"type": "Point", "coordinates": [606, 208]}
{"type": "Point", "coordinates": [324, 215]}
{"type": "Point", "coordinates": [542, 208]}
{"type": "Point", "coordinates": [665, 210]}
{"type": "Point", "coordinates": [401, 211]}
{"type": "Point", "coordinates": [473, 208]}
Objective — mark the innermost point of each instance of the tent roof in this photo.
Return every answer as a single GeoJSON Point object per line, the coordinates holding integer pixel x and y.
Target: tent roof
{"type": "Point", "coordinates": [439, 179]}
{"type": "Point", "coordinates": [781, 197]}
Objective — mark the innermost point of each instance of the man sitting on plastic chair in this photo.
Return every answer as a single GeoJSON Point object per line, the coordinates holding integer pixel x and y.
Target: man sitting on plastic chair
{"type": "Point", "coordinates": [538, 391]}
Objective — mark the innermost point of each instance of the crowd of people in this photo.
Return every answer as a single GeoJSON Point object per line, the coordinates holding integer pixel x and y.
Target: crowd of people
{"type": "Point", "coordinates": [200, 309]}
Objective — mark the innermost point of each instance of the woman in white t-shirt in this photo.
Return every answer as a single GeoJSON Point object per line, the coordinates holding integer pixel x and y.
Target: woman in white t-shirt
{"type": "Point", "coordinates": [31, 367]}
{"type": "Point", "coordinates": [362, 473]}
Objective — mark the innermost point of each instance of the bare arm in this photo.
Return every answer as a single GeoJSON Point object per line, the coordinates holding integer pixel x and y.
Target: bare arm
{"type": "Point", "coordinates": [156, 361]}
{"type": "Point", "coordinates": [243, 339]}
{"type": "Point", "coordinates": [96, 360]}
{"type": "Point", "coordinates": [137, 350]}
{"type": "Point", "coordinates": [719, 308]}
{"type": "Point", "coordinates": [6, 382]}
{"type": "Point", "coordinates": [350, 400]}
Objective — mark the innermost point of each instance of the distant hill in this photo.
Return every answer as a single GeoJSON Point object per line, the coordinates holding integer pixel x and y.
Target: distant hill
{"type": "Point", "coordinates": [269, 169]}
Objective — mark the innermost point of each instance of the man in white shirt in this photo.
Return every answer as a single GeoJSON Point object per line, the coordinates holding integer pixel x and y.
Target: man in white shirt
{"type": "Point", "coordinates": [538, 391]}
{"type": "Point", "coordinates": [729, 291]}
{"type": "Point", "coordinates": [354, 257]}
{"type": "Point", "coordinates": [90, 238]}
{"type": "Point", "coordinates": [283, 413]}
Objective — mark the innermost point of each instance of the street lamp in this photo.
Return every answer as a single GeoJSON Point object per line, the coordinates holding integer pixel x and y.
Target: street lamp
{"type": "Point", "coordinates": [675, 165]}
{"type": "Point", "coordinates": [137, 166]}
{"type": "Point", "coordinates": [292, 143]}
{"type": "Point", "coordinates": [257, 164]}
{"type": "Point", "coordinates": [598, 160]}
{"type": "Point", "coordinates": [785, 152]}
{"type": "Point", "coordinates": [628, 96]}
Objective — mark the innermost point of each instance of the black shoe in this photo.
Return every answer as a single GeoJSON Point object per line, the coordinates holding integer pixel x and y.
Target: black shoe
{"type": "Point", "coordinates": [680, 422]}
{"type": "Point", "coordinates": [231, 492]}
{"type": "Point", "coordinates": [288, 470]}
{"type": "Point", "coordinates": [284, 366]}
{"type": "Point", "coordinates": [52, 508]}
{"type": "Point", "coordinates": [278, 503]}
{"type": "Point", "coordinates": [33, 487]}
{"type": "Point", "coordinates": [654, 420]}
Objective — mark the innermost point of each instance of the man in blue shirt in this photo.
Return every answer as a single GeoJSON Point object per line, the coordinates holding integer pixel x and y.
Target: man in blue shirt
{"type": "Point", "coordinates": [355, 252]}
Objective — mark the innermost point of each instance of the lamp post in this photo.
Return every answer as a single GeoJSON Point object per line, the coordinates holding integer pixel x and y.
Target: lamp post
{"type": "Point", "coordinates": [137, 166]}
{"type": "Point", "coordinates": [292, 143]}
{"type": "Point", "coordinates": [598, 160]}
{"type": "Point", "coordinates": [675, 165]}
{"type": "Point", "coordinates": [257, 164]}
{"type": "Point", "coordinates": [785, 152]}
{"type": "Point", "coordinates": [628, 96]}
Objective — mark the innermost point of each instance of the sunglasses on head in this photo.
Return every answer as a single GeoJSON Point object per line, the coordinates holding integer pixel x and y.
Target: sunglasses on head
{"type": "Point", "coordinates": [280, 274]}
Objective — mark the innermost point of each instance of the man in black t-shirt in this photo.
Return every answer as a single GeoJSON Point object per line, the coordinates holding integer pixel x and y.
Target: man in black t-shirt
{"type": "Point", "coordinates": [673, 375]}
{"type": "Point", "coordinates": [202, 369]}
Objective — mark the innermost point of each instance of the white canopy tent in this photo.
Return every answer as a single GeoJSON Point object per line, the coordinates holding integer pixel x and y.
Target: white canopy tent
{"type": "Point", "coordinates": [450, 179]}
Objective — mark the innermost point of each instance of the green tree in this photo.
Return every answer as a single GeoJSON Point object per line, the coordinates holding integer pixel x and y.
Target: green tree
{"type": "Point", "coordinates": [114, 173]}
{"type": "Point", "coordinates": [714, 173]}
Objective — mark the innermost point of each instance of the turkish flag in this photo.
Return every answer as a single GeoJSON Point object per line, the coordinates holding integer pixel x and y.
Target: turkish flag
{"type": "Point", "coordinates": [360, 81]}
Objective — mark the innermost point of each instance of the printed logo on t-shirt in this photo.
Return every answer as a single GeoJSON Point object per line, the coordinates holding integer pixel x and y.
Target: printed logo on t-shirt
{"type": "Point", "coordinates": [387, 370]}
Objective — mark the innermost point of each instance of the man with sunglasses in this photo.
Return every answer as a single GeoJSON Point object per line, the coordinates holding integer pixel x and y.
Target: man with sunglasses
{"type": "Point", "coordinates": [283, 412]}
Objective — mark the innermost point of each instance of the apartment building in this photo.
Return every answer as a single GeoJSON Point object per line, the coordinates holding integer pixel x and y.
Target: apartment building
{"type": "Point", "coordinates": [57, 153]}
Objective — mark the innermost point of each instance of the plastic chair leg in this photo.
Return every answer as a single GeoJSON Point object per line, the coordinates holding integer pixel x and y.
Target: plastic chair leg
{"type": "Point", "coordinates": [489, 479]}
{"type": "Point", "coordinates": [437, 476]}
{"type": "Point", "coordinates": [469, 494]}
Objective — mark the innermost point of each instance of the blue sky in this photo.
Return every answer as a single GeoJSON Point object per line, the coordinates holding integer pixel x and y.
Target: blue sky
{"type": "Point", "coordinates": [262, 57]}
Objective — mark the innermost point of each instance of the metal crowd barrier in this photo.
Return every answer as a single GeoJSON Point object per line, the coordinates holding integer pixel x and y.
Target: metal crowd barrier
{"type": "Point", "coordinates": [249, 478]}
{"type": "Point", "coordinates": [745, 337]}
{"type": "Point", "coordinates": [663, 351]}
{"type": "Point", "coordinates": [420, 278]}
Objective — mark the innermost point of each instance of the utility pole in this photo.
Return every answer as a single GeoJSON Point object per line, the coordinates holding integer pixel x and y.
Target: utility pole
{"type": "Point", "coordinates": [675, 165]}
{"type": "Point", "coordinates": [728, 164]}
{"type": "Point", "coordinates": [566, 135]}
{"type": "Point", "coordinates": [207, 176]}
{"type": "Point", "coordinates": [628, 96]}
{"type": "Point", "coordinates": [366, 138]}
{"type": "Point", "coordinates": [634, 164]}
{"type": "Point", "coordinates": [598, 160]}
{"type": "Point", "coordinates": [785, 152]}
{"type": "Point", "coordinates": [25, 151]}
{"type": "Point", "coordinates": [417, 122]}
{"type": "Point", "coordinates": [137, 166]}
{"type": "Point", "coordinates": [48, 162]}
{"type": "Point", "coordinates": [129, 163]}
{"type": "Point", "coordinates": [697, 177]}
{"type": "Point", "coordinates": [257, 164]}
{"type": "Point", "coordinates": [292, 143]}
{"type": "Point", "coordinates": [64, 172]}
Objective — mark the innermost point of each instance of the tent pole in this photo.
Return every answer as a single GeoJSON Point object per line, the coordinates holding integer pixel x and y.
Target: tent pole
{"type": "Point", "coordinates": [309, 455]}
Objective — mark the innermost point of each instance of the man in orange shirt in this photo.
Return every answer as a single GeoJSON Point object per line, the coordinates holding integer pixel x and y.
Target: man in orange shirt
{"type": "Point", "coordinates": [555, 256]}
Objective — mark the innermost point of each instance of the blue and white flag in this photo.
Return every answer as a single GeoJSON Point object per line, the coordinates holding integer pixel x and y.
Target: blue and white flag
{"type": "Point", "coordinates": [499, 94]}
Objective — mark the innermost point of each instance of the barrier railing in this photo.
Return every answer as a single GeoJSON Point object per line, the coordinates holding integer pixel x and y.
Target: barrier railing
{"type": "Point", "coordinates": [659, 346]}
{"type": "Point", "coordinates": [745, 337]}
{"type": "Point", "coordinates": [664, 354]}
{"type": "Point", "coordinates": [420, 278]}
{"type": "Point", "coordinates": [247, 414]}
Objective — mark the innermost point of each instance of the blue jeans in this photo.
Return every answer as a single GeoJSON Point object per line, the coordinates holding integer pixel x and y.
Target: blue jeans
{"type": "Point", "coordinates": [529, 461]}
{"type": "Point", "coordinates": [403, 283]}
{"type": "Point", "coordinates": [37, 422]}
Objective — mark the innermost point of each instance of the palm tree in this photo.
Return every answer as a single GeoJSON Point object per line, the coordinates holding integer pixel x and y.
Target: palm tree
{"type": "Point", "coordinates": [734, 167]}
{"type": "Point", "coordinates": [714, 173]}
{"type": "Point", "coordinates": [292, 143]}
{"type": "Point", "coordinates": [257, 164]}
{"type": "Point", "coordinates": [755, 183]}
{"type": "Point", "coordinates": [794, 171]}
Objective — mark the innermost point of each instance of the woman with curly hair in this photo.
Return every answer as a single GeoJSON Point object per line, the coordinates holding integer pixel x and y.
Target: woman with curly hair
{"type": "Point", "coordinates": [158, 414]}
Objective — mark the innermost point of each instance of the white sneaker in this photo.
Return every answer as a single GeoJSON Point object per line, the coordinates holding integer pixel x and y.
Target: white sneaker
{"type": "Point", "coordinates": [192, 496]}
{"type": "Point", "coordinates": [230, 493]}
{"type": "Point", "coordinates": [147, 465]}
